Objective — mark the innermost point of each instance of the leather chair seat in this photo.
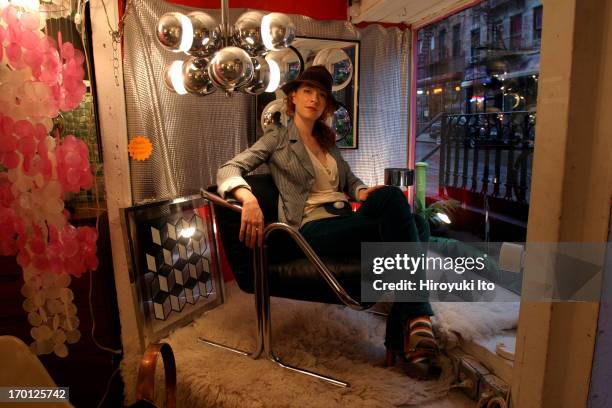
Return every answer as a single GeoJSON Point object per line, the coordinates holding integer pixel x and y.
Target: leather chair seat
{"type": "Point", "coordinates": [299, 279]}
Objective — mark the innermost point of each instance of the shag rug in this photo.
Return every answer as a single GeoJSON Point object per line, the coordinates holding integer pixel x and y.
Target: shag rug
{"type": "Point", "coordinates": [328, 339]}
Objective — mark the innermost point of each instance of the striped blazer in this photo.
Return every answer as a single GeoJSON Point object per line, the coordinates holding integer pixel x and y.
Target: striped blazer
{"type": "Point", "coordinates": [290, 166]}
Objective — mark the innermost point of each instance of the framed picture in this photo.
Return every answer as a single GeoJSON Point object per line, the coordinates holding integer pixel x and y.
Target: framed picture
{"type": "Point", "coordinates": [174, 263]}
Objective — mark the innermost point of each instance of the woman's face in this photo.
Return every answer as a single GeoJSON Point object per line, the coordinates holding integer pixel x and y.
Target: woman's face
{"type": "Point", "coordinates": [309, 102]}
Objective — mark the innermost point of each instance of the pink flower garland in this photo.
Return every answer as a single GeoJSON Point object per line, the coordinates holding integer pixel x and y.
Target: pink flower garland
{"type": "Point", "coordinates": [37, 81]}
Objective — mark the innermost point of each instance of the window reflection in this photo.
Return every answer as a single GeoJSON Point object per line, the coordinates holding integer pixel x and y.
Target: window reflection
{"type": "Point", "coordinates": [476, 92]}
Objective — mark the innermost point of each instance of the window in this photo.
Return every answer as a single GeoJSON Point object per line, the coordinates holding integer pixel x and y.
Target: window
{"type": "Point", "coordinates": [537, 23]}
{"type": "Point", "coordinates": [432, 49]}
{"type": "Point", "coordinates": [475, 42]}
{"type": "Point", "coordinates": [456, 40]}
{"type": "Point", "coordinates": [442, 49]}
{"type": "Point", "coordinates": [497, 35]}
{"type": "Point", "coordinates": [516, 31]}
{"type": "Point", "coordinates": [475, 18]}
{"type": "Point", "coordinates": [473, 107]}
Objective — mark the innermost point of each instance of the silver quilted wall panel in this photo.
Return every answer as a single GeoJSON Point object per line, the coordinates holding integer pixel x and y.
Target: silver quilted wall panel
{"type": "Point", "coordinates": [383, 103]}
{"type": "Point", "coordinates": [192, 136]}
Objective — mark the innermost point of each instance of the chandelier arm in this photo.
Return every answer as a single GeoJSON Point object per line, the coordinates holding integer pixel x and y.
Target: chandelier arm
{"type": "Point", "coordinates": [225, 22]}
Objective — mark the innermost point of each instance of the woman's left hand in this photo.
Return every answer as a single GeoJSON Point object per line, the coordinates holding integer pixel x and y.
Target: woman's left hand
{"type": "Point", "coordinates": [364, 193]}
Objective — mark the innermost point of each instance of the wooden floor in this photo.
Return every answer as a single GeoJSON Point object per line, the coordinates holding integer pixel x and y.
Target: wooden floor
{"type": "Point", "coordinates": [87, 369]}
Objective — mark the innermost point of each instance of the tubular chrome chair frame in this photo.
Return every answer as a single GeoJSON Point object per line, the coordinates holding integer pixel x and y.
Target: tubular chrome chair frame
{"type": "Point", "coordinates": [264, 347]}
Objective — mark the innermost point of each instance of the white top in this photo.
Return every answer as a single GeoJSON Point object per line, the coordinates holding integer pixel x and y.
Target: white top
{"type": "Point", "coordinates": [324, 188]}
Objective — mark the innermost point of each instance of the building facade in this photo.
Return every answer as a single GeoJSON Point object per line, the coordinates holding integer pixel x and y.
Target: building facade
{"type": "Point", "coordinates": [483, 59]}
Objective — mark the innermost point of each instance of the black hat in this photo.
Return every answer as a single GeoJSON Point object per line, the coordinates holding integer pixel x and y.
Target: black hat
{"type": "Point", "coordinates": [317, 76]}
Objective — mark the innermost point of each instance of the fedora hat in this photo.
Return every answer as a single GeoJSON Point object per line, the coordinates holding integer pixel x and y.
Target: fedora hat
{"type": "Point", "coordinates": [317, 76]}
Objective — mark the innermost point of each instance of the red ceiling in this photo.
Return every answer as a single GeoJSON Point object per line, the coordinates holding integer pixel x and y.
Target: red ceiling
{"type": "Point", "coordinates": [317, 9]}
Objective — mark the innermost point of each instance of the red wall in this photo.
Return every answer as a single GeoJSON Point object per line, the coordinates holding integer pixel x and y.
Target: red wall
{"type": "Point", "coordinates": [317, 9]}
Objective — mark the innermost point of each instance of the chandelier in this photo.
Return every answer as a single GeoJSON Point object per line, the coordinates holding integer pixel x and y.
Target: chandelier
{"type": "Point", "coordinates": [225, 57]}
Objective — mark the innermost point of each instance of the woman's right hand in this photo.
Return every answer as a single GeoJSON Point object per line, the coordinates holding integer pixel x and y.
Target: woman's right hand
{"type": "Point", "coordinates": [252, 220]}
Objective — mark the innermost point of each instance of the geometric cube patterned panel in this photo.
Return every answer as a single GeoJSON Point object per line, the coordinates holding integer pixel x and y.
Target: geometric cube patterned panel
{"type": "Point", "coordinates": [175, 272]}
{"type": "Point", "coordinates": [179, 260]}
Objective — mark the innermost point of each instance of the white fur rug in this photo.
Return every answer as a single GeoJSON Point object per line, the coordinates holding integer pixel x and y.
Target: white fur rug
{"type": "Point", "coordinates": [328, 339]}
{"type": "Point", "coordinates": [473, 320]}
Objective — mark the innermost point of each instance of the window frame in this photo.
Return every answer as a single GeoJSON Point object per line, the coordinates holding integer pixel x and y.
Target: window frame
{"type": "Point", "coordinates": [538, 14]}
{"type": "Point", "coordinates": [457, 40]}
{"type": "Point", "coordinates": [516, 31]}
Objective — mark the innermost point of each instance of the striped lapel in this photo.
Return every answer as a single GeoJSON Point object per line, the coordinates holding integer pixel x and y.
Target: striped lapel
{"type": "Point", "coordinates": [299, 149]}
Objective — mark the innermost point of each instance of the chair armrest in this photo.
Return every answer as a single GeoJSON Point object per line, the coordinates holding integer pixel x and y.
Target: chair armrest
{"type": "Point", "coordinates": [220, 201]}
{"type": "Point", "coordinates": [329, 277]}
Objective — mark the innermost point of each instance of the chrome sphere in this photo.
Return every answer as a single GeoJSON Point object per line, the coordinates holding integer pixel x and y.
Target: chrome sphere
{"type": "Point", "coordinates": [338, 63]}
{"type": "Point", "coordinates": [230, 68]}
{"type": "Point", "coordinates": [247, 33]}
{"type": "Point", "coordinates": [277, 31]}
{"type": "Point", "coordinates": [288, 63]}
{"type": "Point", "coordinates": [206, 35]}
{"type": "Point", "coordinates": [173, 77]}
{"type": "Point", "coordinates": [261, 77]}
{"type": "Point", "coordinates": [274, 113]}
{"type": "Point", "coordinates": [195, 77]}
{"type": "Point", "coordinates": [175, 32]}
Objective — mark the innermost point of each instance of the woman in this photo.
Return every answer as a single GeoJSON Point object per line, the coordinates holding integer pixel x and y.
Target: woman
{"type": "Point", "coordinates": [313, 180]}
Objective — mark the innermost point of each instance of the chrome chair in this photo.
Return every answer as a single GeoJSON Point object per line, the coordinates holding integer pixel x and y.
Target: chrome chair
{"type": "Point", "coordinates": [281, 267]}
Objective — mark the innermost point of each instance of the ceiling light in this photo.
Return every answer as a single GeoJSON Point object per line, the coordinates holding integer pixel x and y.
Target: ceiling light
{"type": "Point", "coordinates": [224, 57]}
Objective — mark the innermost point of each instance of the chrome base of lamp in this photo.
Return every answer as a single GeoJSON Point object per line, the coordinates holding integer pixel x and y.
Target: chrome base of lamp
{"type": "Point", "coordinates": [399, 176]}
